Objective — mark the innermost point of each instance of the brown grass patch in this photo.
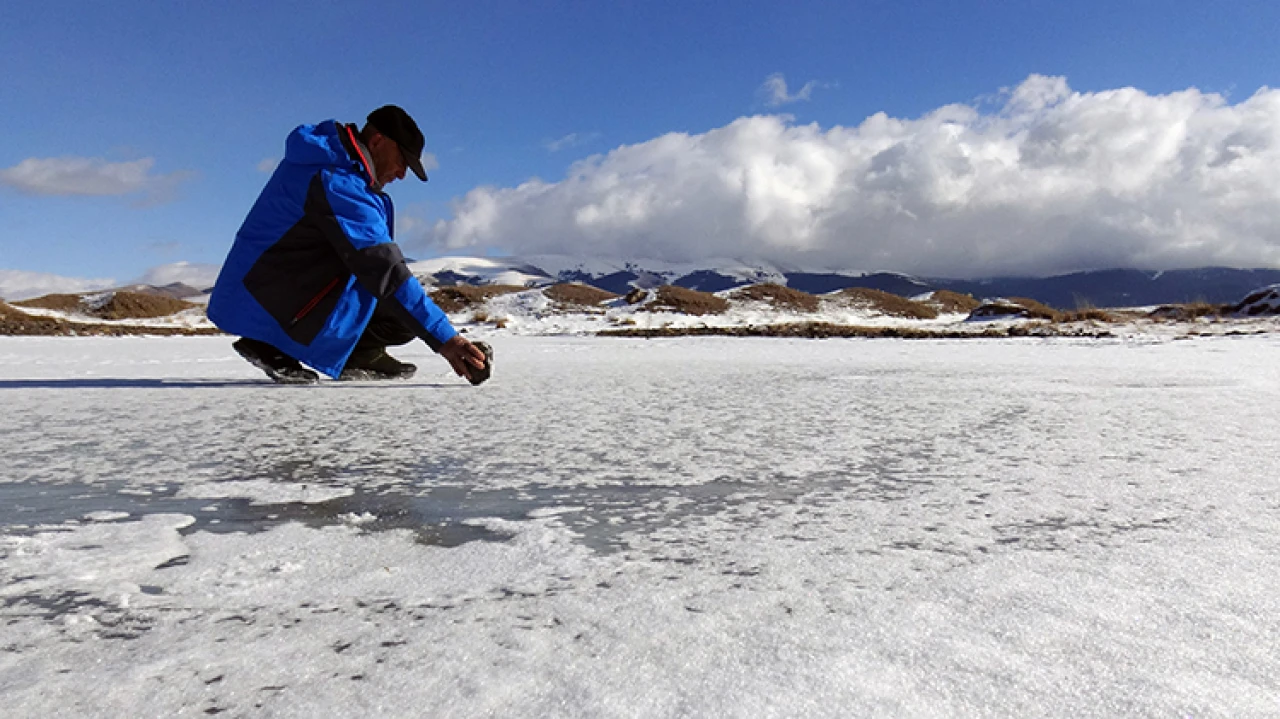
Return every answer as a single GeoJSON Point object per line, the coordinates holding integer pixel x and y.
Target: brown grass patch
{"type": "Point", "coordinates": [576, 294]}
{"type": "Point", "coordinates": [783, 298]}
{"type": "Point", "coordinates": [690, 302]}
{"type": "Point", "coordinates": [1092, 314]}
{"type": "Point", "coordinates": [948, 302]}
{"type": "Point", "coordinates": [459, 297]}
{"type": "Point", "coordinates": [823, 330]}
{"type": "Point", "coordinates": [886, 303]}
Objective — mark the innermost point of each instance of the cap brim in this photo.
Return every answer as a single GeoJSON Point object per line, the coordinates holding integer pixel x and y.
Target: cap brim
{"type": "Point", "coordinates": [415, 164]}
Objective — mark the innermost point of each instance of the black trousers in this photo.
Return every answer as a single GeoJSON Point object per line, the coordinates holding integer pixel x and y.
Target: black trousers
{"type": "Point", "coordinates": [385, 329]}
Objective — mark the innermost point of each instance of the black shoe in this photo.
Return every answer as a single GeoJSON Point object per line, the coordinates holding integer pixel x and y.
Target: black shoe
{"type": "Point", "coordinates": [365, 365]}
{"type": "Point", "coordinates": [279, 366]}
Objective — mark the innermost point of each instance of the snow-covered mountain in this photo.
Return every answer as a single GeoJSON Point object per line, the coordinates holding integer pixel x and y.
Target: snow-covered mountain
{"type": "Point", "coordinates": [617, 276]}
{"type": "Point", "coordinates": [479, 271]}
{"type": "Point", "coordinates": [620, 275]}
{"type": "Point", "coordinates": [1101, 288]}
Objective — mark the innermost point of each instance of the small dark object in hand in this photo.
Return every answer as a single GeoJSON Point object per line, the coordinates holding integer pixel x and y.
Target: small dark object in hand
{"type": "Point", "coordinates": [476, 376]}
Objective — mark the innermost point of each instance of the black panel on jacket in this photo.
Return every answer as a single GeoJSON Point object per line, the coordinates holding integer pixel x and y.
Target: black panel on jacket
{"type": "Point", "coordinates": [300, 278]}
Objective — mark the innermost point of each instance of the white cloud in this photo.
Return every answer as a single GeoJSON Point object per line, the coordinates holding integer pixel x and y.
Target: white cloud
{"type": "Point", "coordinates": [88, 176]}
{"type": "Point", "coordinates": [20, 285]}
{"type": "Point", "coordinates": [268, 164]}
{"type": "Point", "coordinates": [774, 91]}
{"type": "Point", "coordinates": [408, 225]}
{"type": "Point", "coordinates": [197, 275]}
{"type": "Point", "coordinates": [573, 139]}
{"type": "Point", "coordinates": [1050, 181]}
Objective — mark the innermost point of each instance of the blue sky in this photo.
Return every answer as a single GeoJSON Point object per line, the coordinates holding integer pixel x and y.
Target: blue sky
{"type": "Point", "coordinates": [198, 95]}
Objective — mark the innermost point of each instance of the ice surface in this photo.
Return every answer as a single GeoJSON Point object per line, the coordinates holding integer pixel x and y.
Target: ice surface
{"type": "Point", "coordinates": [677, 527]}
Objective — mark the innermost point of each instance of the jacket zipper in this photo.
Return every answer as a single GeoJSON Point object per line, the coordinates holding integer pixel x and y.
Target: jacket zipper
{"type": "Point", "coordinates": [314, 301]}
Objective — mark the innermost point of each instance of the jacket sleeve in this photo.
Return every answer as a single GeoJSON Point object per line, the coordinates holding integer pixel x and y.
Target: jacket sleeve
{"type": "Point", "coordinates": [357, 227]}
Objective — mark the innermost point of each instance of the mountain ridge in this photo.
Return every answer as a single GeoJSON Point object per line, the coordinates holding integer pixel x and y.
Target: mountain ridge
{"type": "Point", "coordinates": [1117, 287]}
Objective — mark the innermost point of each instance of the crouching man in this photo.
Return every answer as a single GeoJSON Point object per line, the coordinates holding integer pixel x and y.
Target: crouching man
{"type": "Point", "coordinates": [314, 276]}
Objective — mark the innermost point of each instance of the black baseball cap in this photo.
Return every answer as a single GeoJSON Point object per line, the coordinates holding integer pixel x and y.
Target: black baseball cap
{"type": "Point", "coordinates": [396, 124]}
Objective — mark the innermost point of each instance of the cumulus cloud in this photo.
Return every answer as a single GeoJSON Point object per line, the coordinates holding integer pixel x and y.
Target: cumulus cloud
{"type": "Point", "coordinates": [775, 93]}
{"type": "Point", "coordinates": [88, 176]}
{"type": "Point", "coordinates": [193, 274]}
{"type": "Point", "coordinates": [21, 285]}
{"type": "Point", "coordinates": [1046, 180]}
{"type": "Point", "coordinates": [268, 164]}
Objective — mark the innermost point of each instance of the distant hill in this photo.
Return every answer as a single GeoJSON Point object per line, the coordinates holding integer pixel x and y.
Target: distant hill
{"type": "Point", "coordinates": [175, 290]}
{"type": "Point", "coordinates": [1101, 288]}
{"type": "Point", "coordinates": [1125, 288]}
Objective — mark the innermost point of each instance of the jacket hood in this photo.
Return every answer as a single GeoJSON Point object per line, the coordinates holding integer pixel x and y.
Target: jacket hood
{"type": "Point", "coordinates": [316, 145]}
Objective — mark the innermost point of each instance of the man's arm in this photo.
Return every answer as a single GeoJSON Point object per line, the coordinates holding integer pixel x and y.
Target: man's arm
{"type": "Point", "coordinates": [356, 227]}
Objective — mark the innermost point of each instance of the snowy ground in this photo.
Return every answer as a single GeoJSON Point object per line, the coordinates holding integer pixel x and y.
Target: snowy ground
{"type": "Point", "coordinates": [532, 313]}
{"type": "Point", "coordinates": [685, 527]}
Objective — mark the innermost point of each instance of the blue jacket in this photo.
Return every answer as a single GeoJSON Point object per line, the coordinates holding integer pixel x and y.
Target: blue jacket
{"type": "Point", "coordinates": [315, 255]}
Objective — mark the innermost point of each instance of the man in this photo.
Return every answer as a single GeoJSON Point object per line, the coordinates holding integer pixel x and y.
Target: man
{"type": "Point", "coordinates": [314, 275]}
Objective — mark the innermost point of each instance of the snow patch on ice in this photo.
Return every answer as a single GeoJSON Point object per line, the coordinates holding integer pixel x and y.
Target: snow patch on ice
{"type": "Point", "coordinates": [261, 491]}
{"type": "Point", "coordinates": [105, 516]}
{"type": "Point", "coordinates": [546, 512]}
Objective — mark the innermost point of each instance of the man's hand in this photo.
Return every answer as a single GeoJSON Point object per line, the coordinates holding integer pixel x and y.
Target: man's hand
{"type": "Point", "coordinates": [464, 357]}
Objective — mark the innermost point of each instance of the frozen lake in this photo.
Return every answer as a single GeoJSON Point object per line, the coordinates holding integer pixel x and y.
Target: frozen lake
{"type": "Point", "coordinates": [641, 528]}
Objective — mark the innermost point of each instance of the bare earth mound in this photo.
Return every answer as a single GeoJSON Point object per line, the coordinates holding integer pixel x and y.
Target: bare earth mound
{"type": "Point", "coordinates": [460, 297]}
{"type": "Point", "coordinates": [14, 321]}
{"type": "Point", "coordinates": [1186, 312]}
{"type": "Point", "coordinates": [948, 302]}
{"type": "Point", "coordinates": [822, 330]}
{"type": "Point", "coordinates": [577, 294]}
{"type": "Point", "coordinates": [783, 298]}
{"type": "Point", "coordinates": [1010, 307]}
{"type": "Point", "coordinates": [1035, 310]}
{"type": "Point", "coordinates": [690, 302]}
{"type": "Point", "coordinates": [60, 303]}
{"type": "Point", "coordinates": [120, 305]}
{"type": "Point", "coordinates": [885, 303]}
{"type": "Point", "coordinates": [133, 305]}
{"type": "Point", "coordinates": [1265, 301]}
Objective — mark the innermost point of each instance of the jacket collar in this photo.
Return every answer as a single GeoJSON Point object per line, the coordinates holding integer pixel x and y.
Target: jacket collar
{"type": "Point", "coordinates": [359, 154]}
